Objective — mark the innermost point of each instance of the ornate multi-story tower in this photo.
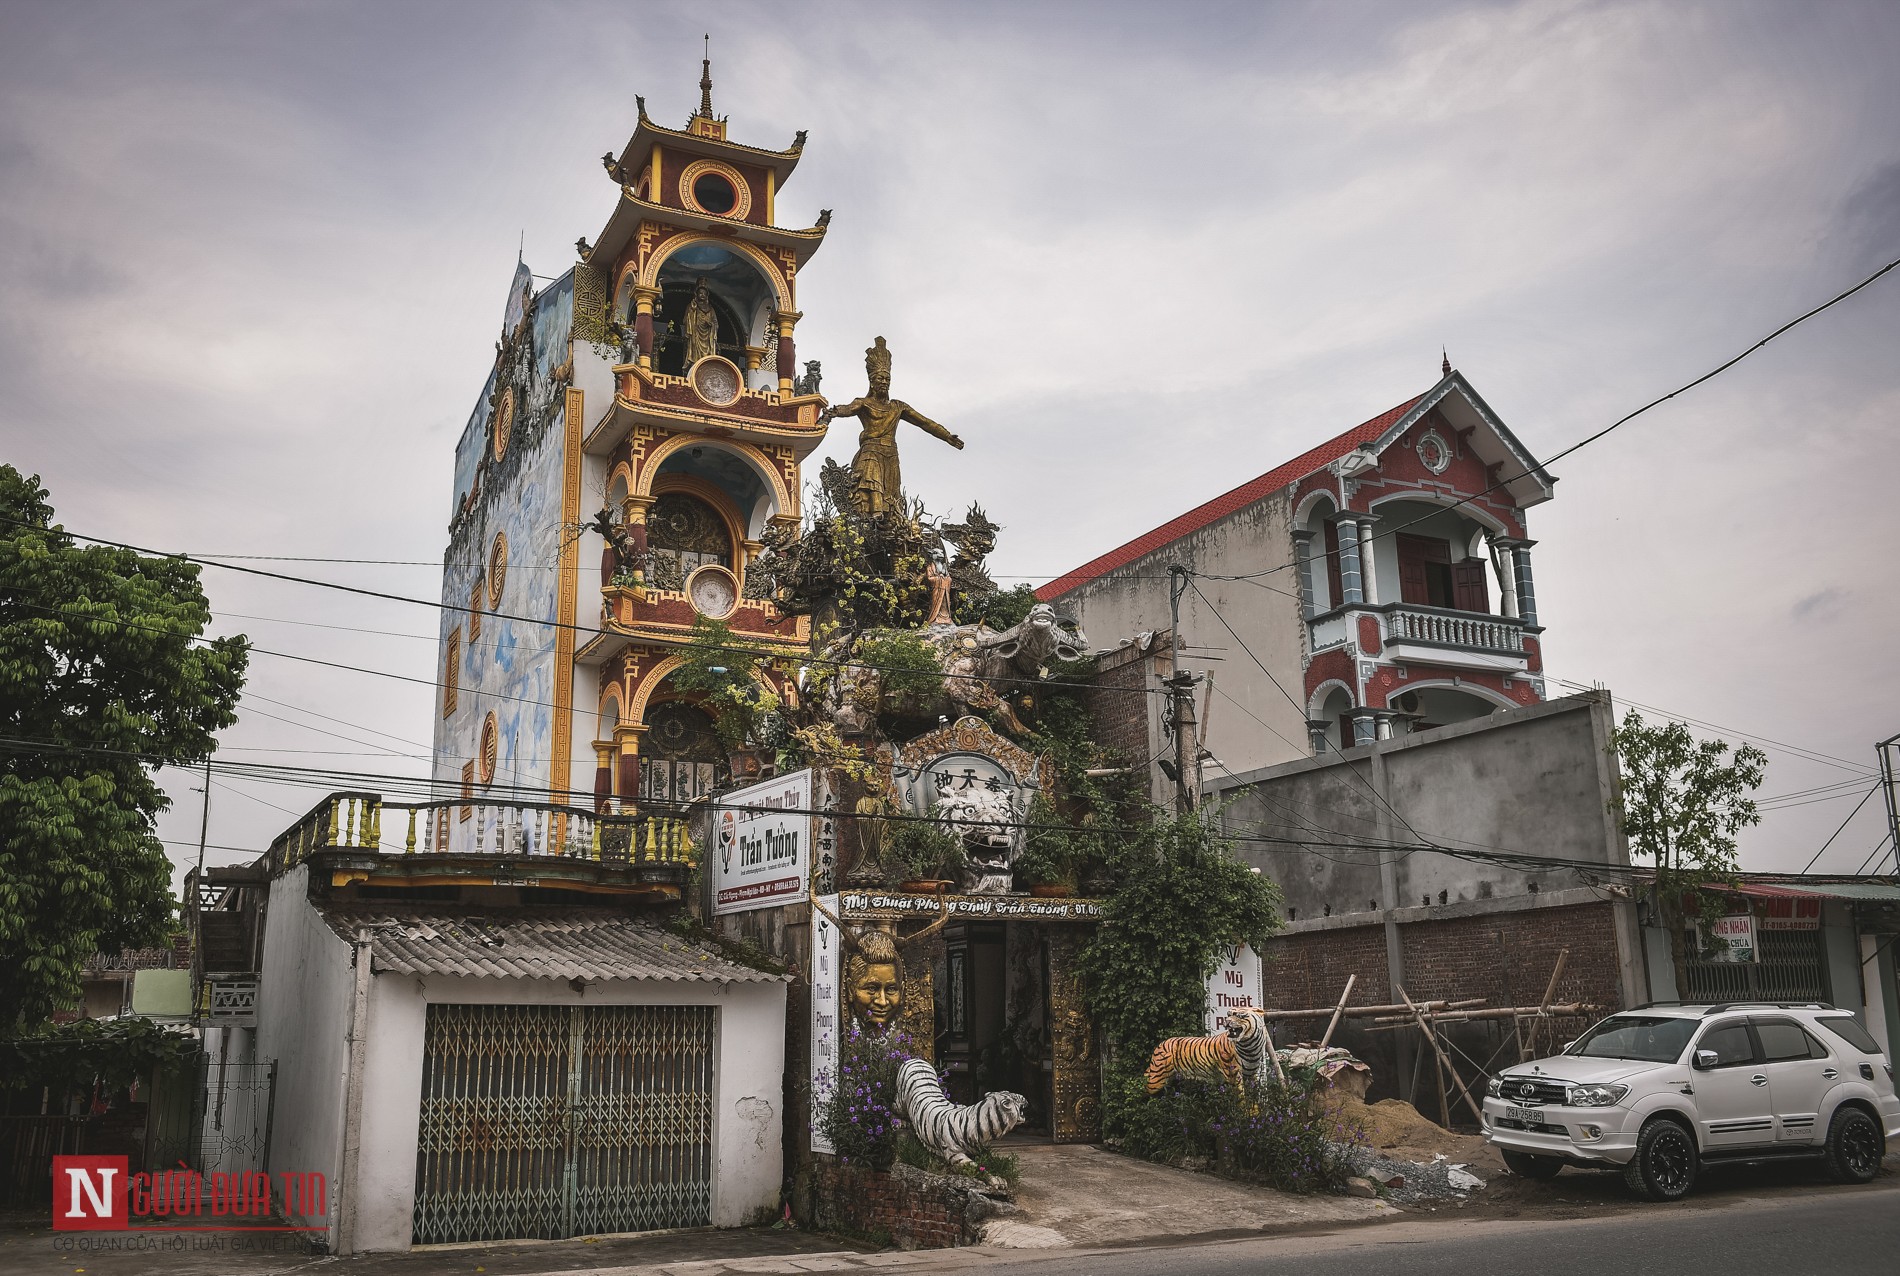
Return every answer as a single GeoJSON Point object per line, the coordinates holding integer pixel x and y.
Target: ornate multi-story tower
{"type": "Point", "coordinates": [643, 427]}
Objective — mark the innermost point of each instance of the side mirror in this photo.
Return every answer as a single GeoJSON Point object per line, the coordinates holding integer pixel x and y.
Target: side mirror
{"type": "Point", "coordinates": [1570, 1045]}
{"type": "Point", "coordinates": [1704, 1060]}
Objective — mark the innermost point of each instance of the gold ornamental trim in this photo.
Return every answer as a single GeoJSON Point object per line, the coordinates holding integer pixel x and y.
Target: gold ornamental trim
{"type": "Point", "coordinates": [502, 427]}
{"type": "Point", "coordinates": [491, 748]}
{"type": "Point", "coordinates": [741, 189]}
{"type": "Point", "coordinates": [567, 601]}
{"type": "Point", "coordinates": [970, 734]}
{"type": "Point", "coordinates": [497, 570]}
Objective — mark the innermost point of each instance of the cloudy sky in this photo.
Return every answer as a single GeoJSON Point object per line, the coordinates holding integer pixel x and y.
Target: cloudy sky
{"type": "Point", "coordinates": [253, 259]}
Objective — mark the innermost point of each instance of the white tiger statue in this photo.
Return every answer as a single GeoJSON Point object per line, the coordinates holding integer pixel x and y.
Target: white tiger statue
{"type": "Point", "coordinates": [1248, 1030]}
{"type": "Point", "coordinates": [949, 1129]}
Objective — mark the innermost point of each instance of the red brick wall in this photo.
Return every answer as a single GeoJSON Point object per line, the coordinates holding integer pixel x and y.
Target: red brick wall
{"type": "Point", "coordinates": [917, 1211]}
{"type": "Point", "coordinates": [1309, 970]}
{"type": "Point", "coordinates": [1505, 958]}
{"type": "Point", "coordinates": [1508, 957]}
{"type": "Point", "coordinates": [1119, 704]}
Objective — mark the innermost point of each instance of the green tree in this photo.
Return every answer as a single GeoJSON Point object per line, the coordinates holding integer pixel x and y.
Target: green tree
{"type": "Point", "coordinates": [1681, 802]}
{"type": "Point", "coordinates": [1182, 895]}
{"type": "Point", "coordinates": [102, 679]}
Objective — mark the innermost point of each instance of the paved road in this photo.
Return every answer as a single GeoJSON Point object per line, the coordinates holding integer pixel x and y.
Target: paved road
{"type": "Point", "coordinates": [1839, 1232]}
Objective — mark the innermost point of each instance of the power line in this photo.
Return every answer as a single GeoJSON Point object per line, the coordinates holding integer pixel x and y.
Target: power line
{"type": "Point", "coordinates": [430, 790]}
{"type": "Point", "coordinates": [1795, 749]}
{"type": "Point", "coordinates": [1879, 846]}
{"type": "Point", "coordinates": [1301, 710]}
{"type": "Point", "coordinates": [356, 726]}
{"type": "Point", "coordinates": [757, 652]}
{"type": "Point", "coordinates": [1614, 425]}
{"type": "Point", "coordinates": [1834, 786]}
{"type": "Point", "coordinates": [1844, 823]}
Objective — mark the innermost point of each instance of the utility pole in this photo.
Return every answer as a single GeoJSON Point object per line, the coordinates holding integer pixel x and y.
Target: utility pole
{"type": "Point", "coordinates": [1885, 749]}
{"type": "Point", "coordinates": [197, 896]}
{"type": "Point", "coordinates": [1180, 684]}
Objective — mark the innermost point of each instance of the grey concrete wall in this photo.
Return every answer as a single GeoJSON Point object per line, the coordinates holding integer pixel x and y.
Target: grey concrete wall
{"type": "Point", "coordinates": [1534, 781]}
{"type": "Point", "coordinates": [1258, 726]}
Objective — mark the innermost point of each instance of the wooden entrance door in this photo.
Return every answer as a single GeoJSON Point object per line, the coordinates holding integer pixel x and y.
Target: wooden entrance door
{"type": "Point", "coordinates": [1076, 1110]}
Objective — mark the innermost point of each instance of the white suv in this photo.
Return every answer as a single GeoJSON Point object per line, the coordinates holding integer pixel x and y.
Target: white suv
{"type": "Point", "coordinates": [1661, 1090]}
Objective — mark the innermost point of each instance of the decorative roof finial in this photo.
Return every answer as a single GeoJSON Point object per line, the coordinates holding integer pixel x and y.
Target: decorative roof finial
{"type": "Point", "coordinates": [1444, 366]}
{"type": "Point", "coordinates": [705, 80]}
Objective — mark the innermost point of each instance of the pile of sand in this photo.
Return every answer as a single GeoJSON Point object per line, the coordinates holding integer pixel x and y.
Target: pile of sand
{"type": "Point", "coordinates": [1394, 1123]}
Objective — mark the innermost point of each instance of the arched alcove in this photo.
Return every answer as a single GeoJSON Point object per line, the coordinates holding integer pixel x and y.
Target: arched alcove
{"type": "Point", "coordinates": [742, 296]}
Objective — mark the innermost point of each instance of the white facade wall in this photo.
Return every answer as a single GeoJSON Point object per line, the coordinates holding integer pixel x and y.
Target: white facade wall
{"type": "Point", "coordinates": [303, 1022]}
{"type": "Point", "coordinates": [1266, 613]}
{"type": "Point", "coordinates": [748, 1085]}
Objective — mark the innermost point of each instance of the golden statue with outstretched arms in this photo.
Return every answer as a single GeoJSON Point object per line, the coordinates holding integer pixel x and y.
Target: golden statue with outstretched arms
{"type": "Point", "coordinates": [876, 483]}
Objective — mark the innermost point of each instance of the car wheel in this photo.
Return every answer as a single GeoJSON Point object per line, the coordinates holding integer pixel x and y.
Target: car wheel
{"type": "Point", "coordinates": [1854, 1147]}
{"type": "Point", "coordinates": [1664, 1167]}
{"type": "Point", "coordinates": [1526, 1166]}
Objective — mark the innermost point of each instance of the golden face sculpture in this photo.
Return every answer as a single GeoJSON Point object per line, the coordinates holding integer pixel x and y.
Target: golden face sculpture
{"type": "Point", "coordinates": [874, 980]}
{"type": "Point", "coordinates": [877, 993]}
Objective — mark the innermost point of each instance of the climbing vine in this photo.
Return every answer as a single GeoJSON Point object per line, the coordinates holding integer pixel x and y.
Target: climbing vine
{"type": "Point", "coordinates": [725, 670]}
{"type": "Point", "coordinates": [1180, 896]}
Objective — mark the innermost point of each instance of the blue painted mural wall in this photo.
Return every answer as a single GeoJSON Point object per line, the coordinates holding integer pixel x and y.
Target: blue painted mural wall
{"type": "Point", "coordinates": [509, 668]}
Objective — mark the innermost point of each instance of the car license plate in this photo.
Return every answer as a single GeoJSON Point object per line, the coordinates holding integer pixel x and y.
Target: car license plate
{"type": "Point", "coordinates": [1529, 1116]}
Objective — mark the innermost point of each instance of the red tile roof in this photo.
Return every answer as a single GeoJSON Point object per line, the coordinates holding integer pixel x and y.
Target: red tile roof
{"type": "Point", "coordinates": [1221, 506]}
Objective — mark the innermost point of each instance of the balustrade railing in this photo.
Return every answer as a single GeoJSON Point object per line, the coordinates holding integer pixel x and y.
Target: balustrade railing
{"type": "Point", "coordinates": [512, 830]}
{"type": "Point", "coordinates": [1454, 629]}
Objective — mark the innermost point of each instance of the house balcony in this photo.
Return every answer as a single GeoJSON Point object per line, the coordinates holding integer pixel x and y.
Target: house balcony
{"type": "Point", "coordinates": [358, 838]}
{"type": "Point", "coordinates": [1432, 635]}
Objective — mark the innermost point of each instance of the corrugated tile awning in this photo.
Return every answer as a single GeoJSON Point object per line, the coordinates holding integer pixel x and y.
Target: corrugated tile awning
{"type": "Point", "coordinates": [1862, 890]}
{"type": "Point", "coordinates": [538, 944]}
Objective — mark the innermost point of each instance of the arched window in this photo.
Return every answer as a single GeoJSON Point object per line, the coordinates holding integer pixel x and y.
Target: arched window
{"type": "Point", "coordinates": [680, 757]}
{"type": "Point", "coordinates": [684, 533]}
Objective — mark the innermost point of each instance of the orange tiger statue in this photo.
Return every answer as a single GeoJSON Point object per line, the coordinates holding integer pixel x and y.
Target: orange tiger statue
{"type": "Point", "coordinates": [1209, 1058]}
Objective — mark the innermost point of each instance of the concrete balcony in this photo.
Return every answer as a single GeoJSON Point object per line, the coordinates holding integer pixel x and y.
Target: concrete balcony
{"type": "Point", "coordinates": [360, 838]}
{"type": "Point", "coordinates": [1442, 636]}
{"type": "Point", "coordinates": [1438, 627]}
{"type": "Point", "coordinates": [1435, 635]}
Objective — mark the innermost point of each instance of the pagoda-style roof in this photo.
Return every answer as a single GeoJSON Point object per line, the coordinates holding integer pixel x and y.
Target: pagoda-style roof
{"type": "Point", "coordinates": [624, 222]}
{"type": "Point", "coordinates": [647, 134]}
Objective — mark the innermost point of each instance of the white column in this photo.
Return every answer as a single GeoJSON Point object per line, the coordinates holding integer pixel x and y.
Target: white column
{"type": "Point", "coordinates": [1368, 573]}
{"type": "Point", "coordinates": [1501, 567]}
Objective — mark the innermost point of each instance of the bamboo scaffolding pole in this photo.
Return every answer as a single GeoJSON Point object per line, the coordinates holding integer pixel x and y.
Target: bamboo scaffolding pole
{"type": "Point", "coordinates": [1501, 1012]}
{"type": "Point", "coordinates": [1273, 1053]}
{"type": "Point", "coordinates": [1444, 1062]}
{"type": "Point", "coordinates": [1338, 1010]}
{"type": "Point", "coordinates": [1527, 1042]}
{"type": "Point", "coordinates": [1356, 1012]}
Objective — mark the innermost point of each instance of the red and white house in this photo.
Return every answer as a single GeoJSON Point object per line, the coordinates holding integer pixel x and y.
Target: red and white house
{"type": "Point", "coordinates": [1381, 581]}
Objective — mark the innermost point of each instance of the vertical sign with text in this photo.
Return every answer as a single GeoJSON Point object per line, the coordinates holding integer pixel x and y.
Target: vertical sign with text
{"type": "Point", "coordinates": [827, 948]}
{"type": "Point", "coordinates": [1234, 985]}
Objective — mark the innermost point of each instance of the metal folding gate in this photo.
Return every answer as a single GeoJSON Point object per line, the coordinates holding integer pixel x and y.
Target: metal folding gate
{"type": "Point", "coordinates": [556, 1121]}
{"type": "Point", "coordinates": [1791, 967]}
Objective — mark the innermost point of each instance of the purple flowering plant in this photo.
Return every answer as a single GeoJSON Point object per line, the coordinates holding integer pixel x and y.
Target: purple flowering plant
{"type": "Point", "coordinates": [1286, 1136]}
{"type": "Point", "coordinates": [861, 1118]}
